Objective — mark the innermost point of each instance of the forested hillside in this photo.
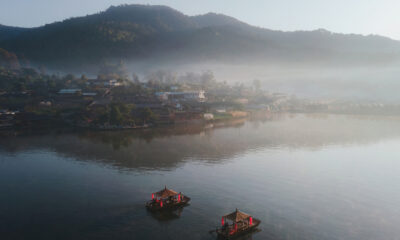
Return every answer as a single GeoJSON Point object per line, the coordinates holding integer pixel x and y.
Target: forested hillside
{"type": "Point", "coordinates": [159, 33]}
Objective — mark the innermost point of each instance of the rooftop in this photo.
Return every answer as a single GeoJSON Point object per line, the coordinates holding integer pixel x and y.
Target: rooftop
{"type": "Point", "coordinates": [164, 193]}
{"type": "Point", "coordinates": [72, 90]}
{"type": "Point", "coordinates": [237, 216]}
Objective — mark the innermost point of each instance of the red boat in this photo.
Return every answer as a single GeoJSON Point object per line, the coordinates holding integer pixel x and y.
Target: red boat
{"type": "Point", "coordinates": [236, 224]}
{"type": "Point", "coordinates": [166, 199]}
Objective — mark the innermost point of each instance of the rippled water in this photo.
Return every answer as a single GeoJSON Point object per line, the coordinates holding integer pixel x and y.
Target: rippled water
{"type": "Point", "coordinates": [305, 176]}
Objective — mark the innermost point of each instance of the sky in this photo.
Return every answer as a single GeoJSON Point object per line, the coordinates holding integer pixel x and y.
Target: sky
{"type": "Point", "coordinates": [343, 16]}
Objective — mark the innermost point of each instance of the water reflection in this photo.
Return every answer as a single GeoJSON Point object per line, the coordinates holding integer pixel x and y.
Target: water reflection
{"type": "Point", "coordinates": [167, 215]}
{"type": "Point", "coordinates": [168, 147]}
{"type": "Point", "coordinates": [306, 177]}
{"type": "Point", "coordinates": [245, 236]}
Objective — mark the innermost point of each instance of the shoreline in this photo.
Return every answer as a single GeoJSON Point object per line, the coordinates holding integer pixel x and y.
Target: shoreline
{"type": "Point", "coordinates": [55, 126]}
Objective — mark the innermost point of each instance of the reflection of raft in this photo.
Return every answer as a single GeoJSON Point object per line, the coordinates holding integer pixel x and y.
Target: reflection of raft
{"type": "Point", "coordinates": [239, 223]}
{"type": "Point", "coordinates": [166, 199]}
{"type": "Point", "coordinates": [167, 215]}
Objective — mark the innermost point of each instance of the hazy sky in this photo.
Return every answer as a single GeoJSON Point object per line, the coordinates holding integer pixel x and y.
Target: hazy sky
{"type": "Point", "coordinates": [347, 16]}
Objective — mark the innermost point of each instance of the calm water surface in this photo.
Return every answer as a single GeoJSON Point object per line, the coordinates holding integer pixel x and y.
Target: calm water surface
{"type": "Point", "coordinates": [305, 176]}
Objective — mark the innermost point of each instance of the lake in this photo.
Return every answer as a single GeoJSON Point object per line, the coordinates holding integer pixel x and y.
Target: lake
{"type": "Point", "coordinates": [305, 176]}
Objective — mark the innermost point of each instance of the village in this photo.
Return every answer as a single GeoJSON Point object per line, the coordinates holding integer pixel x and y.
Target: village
{"type": "Point", "coordinates": [113, 101]}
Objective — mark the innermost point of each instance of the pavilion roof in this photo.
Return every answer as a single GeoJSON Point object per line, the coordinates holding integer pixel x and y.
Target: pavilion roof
{"type": "Point", "coordinates": [237, 216]}
{"type": "Point", "coordinates": [166, 193]}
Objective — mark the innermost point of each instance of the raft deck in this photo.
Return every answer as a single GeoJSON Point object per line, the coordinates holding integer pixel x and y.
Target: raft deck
{"type": "Point", "coordinates": [154, 205]}
{"type": "Point", "coordinates": [229, 232]}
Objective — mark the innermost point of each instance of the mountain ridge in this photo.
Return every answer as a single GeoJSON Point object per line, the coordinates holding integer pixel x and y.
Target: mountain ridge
{"type": "Point", "coordinates": [156, 32]}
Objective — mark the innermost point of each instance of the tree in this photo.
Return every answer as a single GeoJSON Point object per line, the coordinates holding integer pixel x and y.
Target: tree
{"type": "Point", "coordinates": [148, 115]}
{"type": "Point", "coordinates": [69, 77]}
{"type": "Point", "coordinates": [84, 78]}
{"type": "Point", "coordinates": [115, 115]}
{"type": "Point", "coordinates": [103, 118]}
{"type": "Point", "coordinates": [19, 86]}
{"type": "Point", "coordinates": [51, 84]}
{"type": "Point", "coordinates": [39, 87]}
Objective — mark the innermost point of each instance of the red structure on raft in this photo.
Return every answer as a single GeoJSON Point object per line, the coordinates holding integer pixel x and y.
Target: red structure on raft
{"type": "Point", "coordinates": [236, 223]}
{"type": "Point", "coordinates": [166, 199]}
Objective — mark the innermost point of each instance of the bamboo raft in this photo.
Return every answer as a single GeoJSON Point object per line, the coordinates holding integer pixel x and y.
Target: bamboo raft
{"type": "Point", "coordinates": [167, 199]}
{"type": "Point", "coordinates": [239, 224]}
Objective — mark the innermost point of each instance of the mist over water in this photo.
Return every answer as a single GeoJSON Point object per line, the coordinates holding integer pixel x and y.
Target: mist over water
{"type": "Point", "coordinates": [313, 176]}
{"type": "Point", "coordinates": [363, 83]}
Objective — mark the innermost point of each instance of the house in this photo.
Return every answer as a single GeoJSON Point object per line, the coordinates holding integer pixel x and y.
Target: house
{"type": "Point", "coordinates": [112, 83]}
{"type": "Point", "coordinates": [70, 91]}
{"type": "Point", "coordinates": [6, 112]}
{"type": "Point", "coordinates": [163, 96]}
{"type": "Point", "coordinates": [182, 96]}
{"type": "Point", "coordinates": [242, 101]}
{"type": "Point", "coordinates": [95, 82]}
{"type": "Point", "coordinates": [208, 116]}
{"type": "Point", "coordinates": [104, 83]}
{"type": "Point", "coordinates": [174, 88]}
{"type": "Point", "coordinates": [89, 94]}
{"type": "Point", "coordinates": [45, 104]}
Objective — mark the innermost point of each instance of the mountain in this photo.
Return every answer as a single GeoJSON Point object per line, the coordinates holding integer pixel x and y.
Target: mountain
{"type": "Point", "coordinates": [214, 19]}
{"type": "Point", "coordinates": [162, 34]}
{"type": "Point", "coordinates": [7, 32]}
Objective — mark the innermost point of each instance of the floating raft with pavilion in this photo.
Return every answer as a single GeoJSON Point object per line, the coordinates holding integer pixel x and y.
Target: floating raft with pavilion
{"type": "Point", "coordinates": [236, 224]}
{"type": "Point", "coordinates": [166, 199]}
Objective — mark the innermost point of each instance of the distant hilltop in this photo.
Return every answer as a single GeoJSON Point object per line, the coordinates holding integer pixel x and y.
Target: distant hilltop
{"type": "Point", "coordinates": [160, 33]}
